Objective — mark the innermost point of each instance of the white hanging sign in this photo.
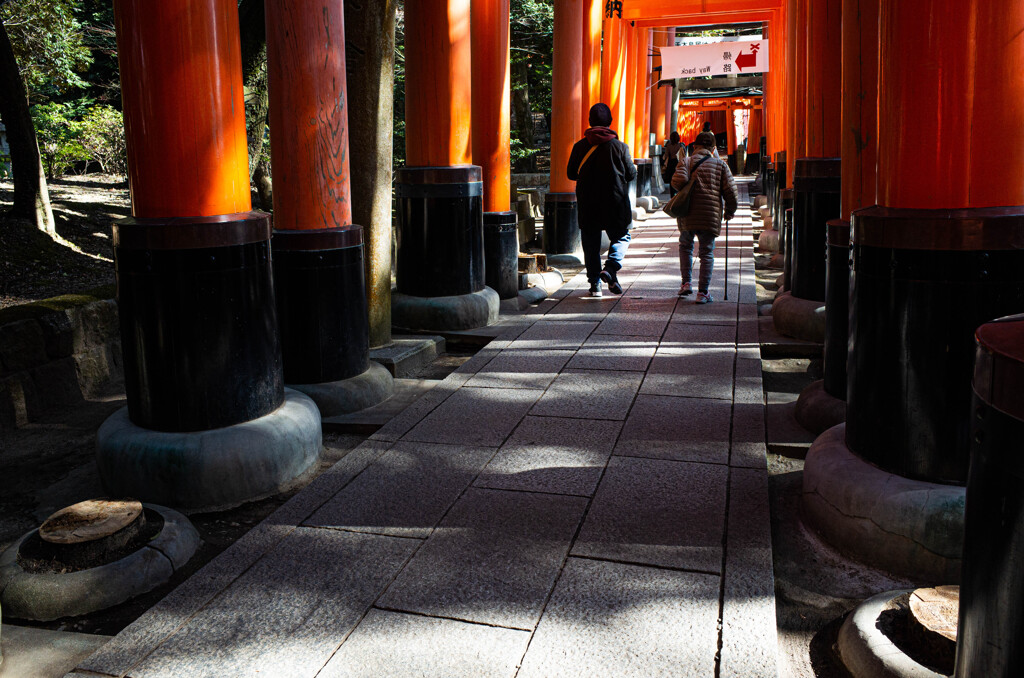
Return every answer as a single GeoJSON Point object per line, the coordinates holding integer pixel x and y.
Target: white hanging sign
{"type": "Point", "coordinates": [720, 58]}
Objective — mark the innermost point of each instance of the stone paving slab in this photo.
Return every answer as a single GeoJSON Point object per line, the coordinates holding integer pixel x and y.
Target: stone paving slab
{"type": "Point", "coordinates": [681, 335]}
{"type": "Point", "coordinates": [717, 313]}
{"type": "Point", "coordinates": [289, 613]}
{"type": "Point", "coordinates": [612, 619]}
{"type": "Point", "coordinates": [518, 368]}
{"type": "Point", "coordinates": [552, 454]}
{"type": "Point", "coordinates": [589, 394]}
{"type": "Point", "coordinates": [551, 336]}
{"type": "Point", "coordinates": [405, 492]}
{"type": "Point", "coordinates": [481, 417]}
{"type": "Point", "coordinates": [697, 374]}
{"type": "Point", "coordinates": [681, 429]}
{"type": "Point", "coordinates": [396, 645]}
{"type": "Point", "coordinates": [493, 559]}
{"type": "Point", "coordinates": [657, 512]}
{"type": "Point", "coordinates": [749, 601]}
{"type": "Point", "coordinates": [614, 352]}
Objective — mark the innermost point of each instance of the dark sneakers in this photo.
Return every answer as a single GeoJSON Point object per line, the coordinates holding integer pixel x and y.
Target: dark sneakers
{"type": "Point", "coordinates": [612, 281]}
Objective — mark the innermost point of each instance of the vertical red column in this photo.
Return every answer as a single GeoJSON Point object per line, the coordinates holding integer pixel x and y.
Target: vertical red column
{"type": "Point", "coordinates": [941, 253]}
{"type": "Point", "coordinates": [824, 78]}
{"type": "Point", "coordinates": [641, 122]}
{"type": "Point", "coordinates": [816, 173]}
{"type": "Point", "coordinates": [860, 105]}
{"type": "Point", "coordinates": [627, 124]}
{"type": "Point", "coordinates": [438, 96]}
{"type": "Point", "coordinates": [439, 194]}
{"type": "Point", "coordinates": [491, 96]}
{"type": "Point", "coordinates": [561, 223]}
{"type": "Point", "coordinates": [318, 252]}
{"type": "Point", "coordinates": [659, 95]}
{"type": "Point", "coordinates": [491, 142]}
{"type": "Point", "coordinates": [592, 16]}
{"type": "Point", "coordinates": [199, 332]}
{"type": "Point", "coordinates": [613, 67]}
{"type": "Point", "coordinates": [185, 118]}
{"type": "Point", "coordinates": [859, 147]}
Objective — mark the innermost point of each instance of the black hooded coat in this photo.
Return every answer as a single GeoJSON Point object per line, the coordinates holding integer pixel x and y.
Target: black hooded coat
{"type": "Point", "coordinates": [602, 185]}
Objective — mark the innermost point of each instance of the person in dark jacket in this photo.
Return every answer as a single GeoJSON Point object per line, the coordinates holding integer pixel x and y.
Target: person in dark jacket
{"type": "Point", "coordinates": [669, 160]}
{"type": "Point", "coordinates": [713, 186]}
{"type": "Point", "coordinates": [602, 167]}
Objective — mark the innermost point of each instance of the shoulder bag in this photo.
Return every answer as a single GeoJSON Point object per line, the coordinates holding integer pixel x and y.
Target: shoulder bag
{"type": "Point", "coordinates": [679, 205]}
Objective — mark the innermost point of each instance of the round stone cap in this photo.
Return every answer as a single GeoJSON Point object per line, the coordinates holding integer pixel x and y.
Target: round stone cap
{"type": "Point", "coordinates": [89, 520]}
{"type": "Point", "coordinates": [937, 609]}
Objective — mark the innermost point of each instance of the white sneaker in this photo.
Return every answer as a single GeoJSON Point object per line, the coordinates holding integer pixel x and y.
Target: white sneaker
{"type": "Point", "coordinates": [595, 289]}
{"type": "Point", "coordinates": [685, 289]}
{"type": "Point", "coordinates": [703, 298]}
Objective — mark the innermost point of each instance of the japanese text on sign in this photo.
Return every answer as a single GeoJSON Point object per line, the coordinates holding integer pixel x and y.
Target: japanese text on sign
{"type": "Point", "coordinates": [722, 58]}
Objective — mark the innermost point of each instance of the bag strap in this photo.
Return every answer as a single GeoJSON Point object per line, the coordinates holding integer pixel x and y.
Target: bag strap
{"type": "Point", "coordinates": [693, 172]}
{"type": "Point", "coordinates": [592, 149]}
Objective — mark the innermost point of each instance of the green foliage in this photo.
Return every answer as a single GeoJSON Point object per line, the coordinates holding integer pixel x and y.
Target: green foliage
{"type": "Point", "coordinates": [532, 27]}
{"type": "Point", "coordinates": [520, 153]}
{"type": "Point", "coordinates": [102, 139]}
{"type": "Point", "coordinates": [48, 44]}
{"type": "Point", "coordinates": [77, 133]}
{"type": "Point", "coordinates": [58, 134]}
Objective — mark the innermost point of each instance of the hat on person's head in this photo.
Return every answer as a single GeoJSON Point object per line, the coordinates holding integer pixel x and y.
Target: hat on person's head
{"type": "Point", "coordinates": [705, 139]}
{"type": "Point", "coordinates": [600, 115]}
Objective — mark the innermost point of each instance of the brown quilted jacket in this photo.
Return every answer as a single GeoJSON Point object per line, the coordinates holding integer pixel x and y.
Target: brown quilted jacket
{"type": "Point", "coordinates": [714, 186]}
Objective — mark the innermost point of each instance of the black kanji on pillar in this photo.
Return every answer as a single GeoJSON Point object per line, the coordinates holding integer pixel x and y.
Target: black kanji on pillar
{"type": "Point", "coordinates": [613, 8]}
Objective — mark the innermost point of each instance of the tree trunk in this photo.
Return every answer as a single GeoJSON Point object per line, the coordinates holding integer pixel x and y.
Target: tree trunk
{"type": "Point", "coordinates": [253, 31]}
{"type": "Point", "coordinates": [370, 71]}
{"type": "Point", "coordinates": [264, 187]}
{"type": "Point", "coordinates": [31, 199]}
{"type": "Point", "coordinates": [521, 111]}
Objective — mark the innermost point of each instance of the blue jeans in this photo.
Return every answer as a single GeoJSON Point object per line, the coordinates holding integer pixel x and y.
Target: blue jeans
{"type": "Point", "coordinates": [591, 241]}
{"type": "Point", "coordinates": [707, 257]}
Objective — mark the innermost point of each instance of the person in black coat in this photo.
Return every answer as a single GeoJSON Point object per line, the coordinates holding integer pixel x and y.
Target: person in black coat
{"type": "Point", "coordinates": [602, 167]}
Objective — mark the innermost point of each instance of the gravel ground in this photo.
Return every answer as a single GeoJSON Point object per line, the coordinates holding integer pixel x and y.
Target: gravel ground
{"type": "Point", "coordinates": [34, 266]}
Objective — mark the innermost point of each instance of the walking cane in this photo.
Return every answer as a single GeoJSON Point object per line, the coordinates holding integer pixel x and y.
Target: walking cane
{"type": "Point", "coordinates": [726, 260]}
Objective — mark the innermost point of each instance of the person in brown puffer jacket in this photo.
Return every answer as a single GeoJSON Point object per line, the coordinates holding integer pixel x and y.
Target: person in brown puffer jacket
{"type": "Point", "coordinates": [713, 186]}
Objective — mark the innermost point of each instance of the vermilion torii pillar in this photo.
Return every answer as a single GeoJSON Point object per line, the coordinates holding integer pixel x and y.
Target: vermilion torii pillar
{"type": "Point", "coordinates": [613, 66]}
{"type": "Point", "coordinates": [491, 139]}
{"type": "Point", "coordinates": [641, 115]}
{"type": "Point", "coordinates": [561, 221]}
{"type": "Point", "coordinates": [208, 423]}
{"type": "Point", "coordinates": [941, 254]}
{"type": "Point", "coordinates": [823, 404]}
{"type": "Point", "coordinates": [593, 12]}
{"type": "Point", "coordinates": [938, 256]}
{"type": "Point", "coordinates": [659, 95]}
{"type": "Point", "coordinates": [439, 193]}
{"type": "Point", "coordinates": [318, 251]}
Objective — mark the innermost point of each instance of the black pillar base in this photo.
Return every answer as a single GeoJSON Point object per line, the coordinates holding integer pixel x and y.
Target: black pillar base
{"type": "Point", "coordinates": [991, 623]}
{"type": "Point", "coordinates": [198, 321]}
{"type": "Point", "coordinates": [321, 304]}
{"type": "Point", "coordinates": [644, 175]}
{"type": "Point", "coordinates": [561, 224]}
{"type": "Point", "coordinates": [501, 254]}
{"type": "Point", "coordinates": [440, 231]}
{"type": "Point", "coordinates": [786, 237]}
{"type": "Point", "coordinates": [922, 282]}
{"type": "Point", "coordinates": [816, 187]}
{"type": "Point", "coordinates": [781, 184]}
{"type": "Point", "coordinates": [837, 306]}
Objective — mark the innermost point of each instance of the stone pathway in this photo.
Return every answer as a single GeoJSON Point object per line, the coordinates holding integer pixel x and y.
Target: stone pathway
{"type": "Point", "coordinates": [586, 496]}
